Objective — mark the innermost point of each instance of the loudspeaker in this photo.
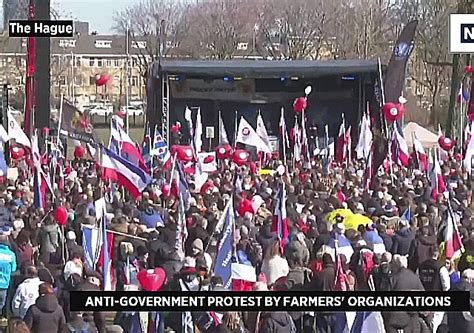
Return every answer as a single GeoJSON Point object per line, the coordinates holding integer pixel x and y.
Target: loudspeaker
{"type": "Point", "coordinates": [43, 69]}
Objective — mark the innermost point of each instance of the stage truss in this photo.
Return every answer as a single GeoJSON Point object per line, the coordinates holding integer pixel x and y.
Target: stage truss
{"type": "Point", "coordinates": [165, 100]}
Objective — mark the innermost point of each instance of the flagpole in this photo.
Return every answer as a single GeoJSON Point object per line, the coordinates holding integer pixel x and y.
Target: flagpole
{"type": "Point", "coordinates": [60, 117]}
{"type": "Point", "coordinates": [283, 135]}
{"type": "Point", "coordinates": [236, 129]}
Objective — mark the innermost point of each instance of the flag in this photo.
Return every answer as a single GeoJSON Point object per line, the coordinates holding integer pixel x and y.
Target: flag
{"type": "Point", "coordinates": [437, 180]}
{"type": "Point", "coordinates": [369, 169]}
{"type": "Point", "coordinates": [180, 189]}
{"type": "Point", "coordinates": [243, 277]}
{"type": "Point", "coordinates": [189, 120]}
{"type": "Point", "coordinates": [198, 133]}
{"type": "Point", "coordinates": [421, 155]}
{"type": "Point", "coordinates": [284, 133]}
{"type": "Point", "coordinates": [223, 139]}
{"type": "Point", "coordinates": [123, 172]}
{"type": "Point", "coordinates": [75, 124]}
{"type": "Point", "coordinates": [280, 218]}
{"type": "Point", "coordinates": [348, 145]}
{"type": "Point", "coordinates": [160, 147]}
{"type": "Point", "coordinates": [368, 322]}
{"type": "Point", "coordinates": [364, 144]}
{"type": "Point", "coordinates": [396, 69]}
{"type": "Point", "coordinates": [469, 152]}
{"type": "Point", "coordinates": [225, 250]}
{"type": "Point", "coordinates": [400, 154]}
{"type": "Point", "coordinates": [248, 136]}
{"type": "Point", "coordinates": [91, 245]}
{"type": "Point", "coordinates": [407, 215]}
{"type": "Point", "coordinates": [127, 147]}
{"type": "Point", "coordinates": [3, 135]}
{"type": "Point", "coordinates": [451, 246]}
{"type": "Point", "coordinates": [15, 132]}
{"type": "Point", "coordinates": [470, 109]}
{"type": "Point", "coordinates": [297, 149]}
{"type": "Point", "coordinates": [262, 131]}
{"type": "Point", "coordinates": [341, 144]}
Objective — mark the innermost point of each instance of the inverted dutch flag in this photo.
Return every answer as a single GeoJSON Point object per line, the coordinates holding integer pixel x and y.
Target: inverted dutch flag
{"type": "Point", "coordinates": [439, 186]}
{"type": "Point", "coordinates": [401, 155]}
{"type": "Point", "coordinates": [451, 246]}
{"type": "Point", "coordinates": [280, 219]}
{"type": "Point", "coordinates": [421, 155]}
{"type": "Point", "coordinates": [126, 146]}
{"type": "Point", "coordinates": [91, 244]}
{"type": "Point", "coordinates": [160, 147]}
{"type": "Point", "coordinates": [116, 168]}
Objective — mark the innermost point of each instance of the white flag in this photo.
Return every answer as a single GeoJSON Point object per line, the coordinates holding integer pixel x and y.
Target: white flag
{"type": "Point", "coordinates": [247, 135]}
{"type": "Point", "coordinates": [189, 120]}
{"type": "Point", "coordinates": [3, 134]}
{"type": "Point", "coordinates": [365, 139]}
{"type": "Point", "coordinates": [15, 132]}
{"type": "Point", "coordinates": [262, 131]}
{"type": "Point", "coordinates": [198, 134]}
{"type": "Point", "coordinates": [223, 139]}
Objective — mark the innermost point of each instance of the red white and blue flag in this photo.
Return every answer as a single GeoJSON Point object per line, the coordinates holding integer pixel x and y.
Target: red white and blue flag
{"type": "Point", "coordinates": [160, 147]}
{"type": "Point", "coordinates": [280, 218]}
{"type": "Point", "coordinates": [421, 155]}
{"type": "Point", "coordinates": [116, 168]}
{"type": "Point", "coordinates": [126, 146]}
{"type": "Point", "coordinates": [400, 154]}
{"type": "Point", "coordinates": [437, 180]}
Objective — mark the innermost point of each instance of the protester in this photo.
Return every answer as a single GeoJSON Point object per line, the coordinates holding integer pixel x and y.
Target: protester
{"type": "Point", "coordinates": [27, 292]}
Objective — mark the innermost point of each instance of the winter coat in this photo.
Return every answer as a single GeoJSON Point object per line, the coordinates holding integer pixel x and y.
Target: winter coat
{"type": "Point", "coordinates": [46, 316]}
{"type": "Point", "coordinates": [402, 241]}
{"type": "Point", "coordinates": [25, 296]}
{"type": "Point", "coordinates": [297, 251]}
{"type": "Point", "coordinates": [275, 268]}
{"type": "Point", "coordinates": [49, 238]}
{"type": "Point", "coordinates": [7, 265]}
{"type": "Point", "coordinates": [406, 280]}
{"type": "Point", "coordinates": [387, 240]}
{"type": "Point", "coordinates": [324, 280]}
{"type": "Point", "coordinates": [462, 322]}
{"type": "Point", "coordinates": [25, 254]}
{"type": "Point", "coordinates": [421, 250]}
{"type": "Point", "coordinates": [276, 322]}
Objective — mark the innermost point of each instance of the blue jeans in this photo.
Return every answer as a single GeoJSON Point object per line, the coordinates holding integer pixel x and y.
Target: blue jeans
{"type": "Point", "coordinates": [3, 299]}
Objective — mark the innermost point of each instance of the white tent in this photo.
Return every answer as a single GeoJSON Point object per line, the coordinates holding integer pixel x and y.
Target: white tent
{"type": "Point", "coordinates": [426, 137]}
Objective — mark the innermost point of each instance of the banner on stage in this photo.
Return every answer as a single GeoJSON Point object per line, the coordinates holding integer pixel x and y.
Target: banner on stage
{"type": "Point", "coordinates": [242, 90]}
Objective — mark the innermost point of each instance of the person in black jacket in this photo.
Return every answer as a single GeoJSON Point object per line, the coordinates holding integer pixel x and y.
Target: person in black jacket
{"type": "Point", "coordinates": [403, 239]}
{"type": "Point", "coordinates": [463, 322]}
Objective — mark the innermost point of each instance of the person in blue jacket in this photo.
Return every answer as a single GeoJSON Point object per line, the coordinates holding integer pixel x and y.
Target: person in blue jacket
{"type": "Point", "coordinates": [7, 267]}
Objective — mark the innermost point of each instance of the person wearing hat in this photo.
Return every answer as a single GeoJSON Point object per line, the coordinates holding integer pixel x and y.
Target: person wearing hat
{"type": "Point", "coordinates": [403, 238]}
{"type": "Point", "coordinates": [8, 265]}
{"type": "Point", "coordinates": [197, 248]}
{"type": "Point", "coordinates": [72, 246]}
{"type": "Point", "coordinates": [338, 236]}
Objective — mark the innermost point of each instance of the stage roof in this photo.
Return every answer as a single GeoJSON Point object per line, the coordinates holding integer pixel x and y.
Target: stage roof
{"type": "Point", "coordinates": [260, 69]}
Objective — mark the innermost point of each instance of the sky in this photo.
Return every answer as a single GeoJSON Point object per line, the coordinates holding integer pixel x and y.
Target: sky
{"type": "Point", "coordinates": [99, 13]}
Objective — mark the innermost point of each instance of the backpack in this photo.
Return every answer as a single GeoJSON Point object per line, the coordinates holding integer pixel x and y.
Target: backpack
{"type": "Point", "coordinates": [84, 329]}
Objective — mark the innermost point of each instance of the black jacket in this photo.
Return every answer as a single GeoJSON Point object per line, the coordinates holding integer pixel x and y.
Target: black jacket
{"type": "Point", "coordinates": [46, 316]}
{"type": "Point", "coordinates": [276, 322]}
{"type": "Point", "coordinates": [462, 322]}
{"type": "Point", "coordinates": [402, 241]}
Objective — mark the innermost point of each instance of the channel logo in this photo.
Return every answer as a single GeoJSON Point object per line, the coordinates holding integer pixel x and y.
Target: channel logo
{"type": "Point", "coordinates": [461, 33]}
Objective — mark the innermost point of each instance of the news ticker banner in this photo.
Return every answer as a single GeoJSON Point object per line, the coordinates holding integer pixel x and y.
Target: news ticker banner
{"type": "Point", "coordinates": [269, 301]}
{"type": "Point", "coordinates": [40, 28]}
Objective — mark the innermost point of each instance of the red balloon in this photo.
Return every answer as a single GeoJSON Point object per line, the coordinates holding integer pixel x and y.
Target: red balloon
{"type": "Point", "coordinates": [240, 157]}
{"type": "Point", "coordinates": [393, 112]}
{"type": "Point", "coordinates": [101, 79]}
{"type": "Point", "coordinates": [300, 104]}
{"type": "Point", "coordinates": [245, 206]}
{"type": "Point", "coordinates": [166, 190]}
{"type": "Point", "coordinates": [446, 143]}
{"type": "Point", "coordinates": [61, 215]}
{"type": "Point", "coordinates": [79, 152]}
{"type": "Point", "coordinates": [468, 69]}
{"type": "Point", "coordinates": [17, 152]}
{"type": "Point", "coordinates": [152, 280]}
{"type": "Point", "coordinates": [183, 153]}
{"type": "Point", "coordinates": [208, 159]}
{"type": "Point", "coordinates": [224, 151]}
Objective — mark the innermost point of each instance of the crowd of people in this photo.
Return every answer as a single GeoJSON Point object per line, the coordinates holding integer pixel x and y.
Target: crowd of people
{"type": "Point", "coordinates": [398, 250]}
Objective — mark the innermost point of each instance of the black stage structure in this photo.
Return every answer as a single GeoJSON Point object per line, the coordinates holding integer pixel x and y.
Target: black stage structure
{"type": "Point", "coordinates": [246, 87]}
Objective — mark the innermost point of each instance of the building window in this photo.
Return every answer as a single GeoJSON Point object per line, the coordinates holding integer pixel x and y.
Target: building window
{"type": "Point", "coordinates": [242, 46]}
{"type": "Point", "coordinates": [141, 44]}
{"type": "Point", "coordinates": [134, 81]}
{"type": "Point", "coordinates": [99, 62]}
{"type": "Point", "coordinates": [67, 43]}
{"type": "Point", "coordinates": [78, 80]}
{"type": "Point", "coordinates": [92, 80]}
{"type": "Point", "coordinates": [103, 44]}
{"type": "Point", "coordinates": [108, 63]}
{"type": "Point", "coordinates": [91, 62]}
{"type": "Point", "coordinates": [116, 62]}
